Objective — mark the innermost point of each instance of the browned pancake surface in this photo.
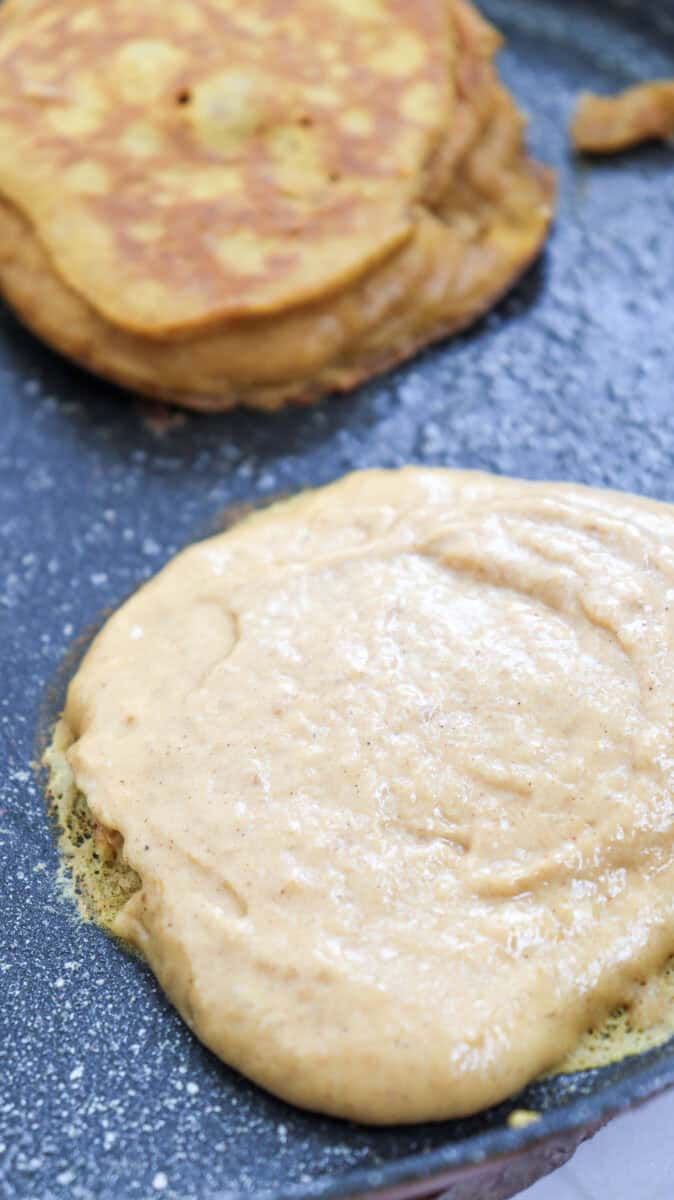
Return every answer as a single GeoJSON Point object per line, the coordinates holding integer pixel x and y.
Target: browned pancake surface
{"type": "Point", "coordinates": [188, 162]}
{"type": "Point", "coordinates": [139, 238]}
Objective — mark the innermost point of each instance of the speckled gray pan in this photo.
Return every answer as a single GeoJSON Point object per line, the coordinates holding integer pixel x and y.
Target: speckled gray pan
{"type": "Point", "coordinates": [103, 1091]}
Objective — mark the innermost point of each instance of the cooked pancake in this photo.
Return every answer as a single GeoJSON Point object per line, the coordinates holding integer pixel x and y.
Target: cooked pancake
{"type": "Point", "coordinates": [183, 184]}
{"type": "Point", "coordinates": [389, 770]}
{"type": "Point", "coordinates": [609, 124]}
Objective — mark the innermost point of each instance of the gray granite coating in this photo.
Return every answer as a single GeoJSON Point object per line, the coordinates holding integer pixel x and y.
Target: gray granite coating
{"type": "Point", "coordinates": [103, 1091]}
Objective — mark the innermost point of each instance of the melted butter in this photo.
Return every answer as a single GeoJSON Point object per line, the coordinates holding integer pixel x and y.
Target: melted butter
{"type": "Point", "coordinates": [647, 1022]}
{"type": "Point", "coordinates": [392, 764]}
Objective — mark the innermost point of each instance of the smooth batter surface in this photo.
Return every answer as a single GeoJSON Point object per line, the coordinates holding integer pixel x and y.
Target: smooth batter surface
{"type": "Point", "coordinates": [393, 764]}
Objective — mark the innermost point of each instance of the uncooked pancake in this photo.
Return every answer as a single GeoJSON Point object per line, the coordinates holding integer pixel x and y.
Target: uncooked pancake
{"type": "Point", "coordinates": [609, 124]}
{"type": "Point", "coordinates": [390, 767]}
{"type": "Point", "coordinates": [183, 184]}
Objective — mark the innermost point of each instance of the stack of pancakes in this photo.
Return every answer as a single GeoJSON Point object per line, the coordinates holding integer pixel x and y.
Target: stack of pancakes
{"type": "Point", "coordinates": [220, 203]}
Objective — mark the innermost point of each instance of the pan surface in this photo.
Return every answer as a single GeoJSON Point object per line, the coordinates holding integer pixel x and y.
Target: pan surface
{"type": "Point", "coordinates": [103, 1091]}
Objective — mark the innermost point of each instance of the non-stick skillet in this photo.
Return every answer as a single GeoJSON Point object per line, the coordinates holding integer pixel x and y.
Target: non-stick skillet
{"type": "Point", "coordinates": [103, 1092]}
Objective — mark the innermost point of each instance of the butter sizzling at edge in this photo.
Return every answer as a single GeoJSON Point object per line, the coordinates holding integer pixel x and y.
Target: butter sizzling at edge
{"type": "Point", "coordinates": [393, 763]}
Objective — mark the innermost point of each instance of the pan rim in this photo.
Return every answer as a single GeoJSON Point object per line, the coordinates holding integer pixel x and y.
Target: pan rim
{"type": "Point", "coordinates": [653, 1073]}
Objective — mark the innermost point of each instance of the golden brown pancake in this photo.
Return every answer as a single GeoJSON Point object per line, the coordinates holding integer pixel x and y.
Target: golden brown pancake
{"type": "Point", "coordinates": [390, 770]}
{"type": "Point", "coordinates": [220, 203]}
{"type": "Point", "coordinates": [609, 124]}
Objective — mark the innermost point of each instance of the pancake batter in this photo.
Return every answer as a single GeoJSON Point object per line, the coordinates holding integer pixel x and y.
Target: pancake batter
{"type": "Point", "coordinates": [390, 767]}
